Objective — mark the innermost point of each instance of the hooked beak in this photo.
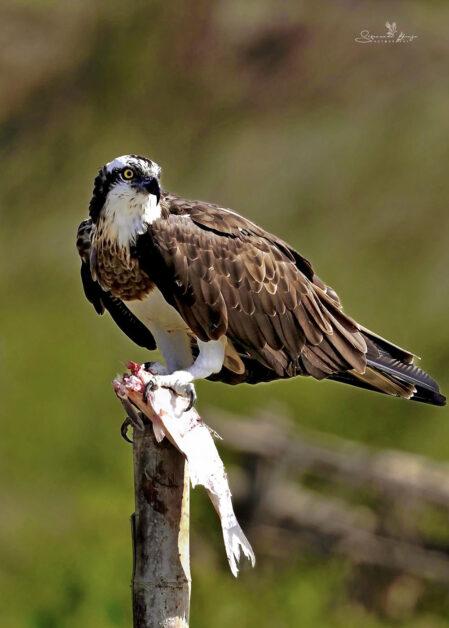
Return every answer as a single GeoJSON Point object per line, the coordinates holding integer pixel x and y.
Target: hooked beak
{"type": "Point", "coordinates": [150, 186]}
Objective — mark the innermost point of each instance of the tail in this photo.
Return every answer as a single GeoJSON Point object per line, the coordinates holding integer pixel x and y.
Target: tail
{"type": "Point", "coordinates": [390, 370]}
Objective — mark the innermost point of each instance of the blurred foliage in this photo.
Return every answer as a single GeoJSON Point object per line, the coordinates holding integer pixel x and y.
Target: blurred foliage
{"type": "Point", "coordinates": [267, 107]}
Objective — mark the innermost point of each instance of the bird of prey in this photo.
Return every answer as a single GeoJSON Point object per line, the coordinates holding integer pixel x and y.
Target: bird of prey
{"type": "Point", "coordinates": [220, 297]}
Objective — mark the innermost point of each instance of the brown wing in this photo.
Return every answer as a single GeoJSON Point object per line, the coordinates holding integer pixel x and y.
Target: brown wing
{"type": "Point", "coordinates": [227, 276]}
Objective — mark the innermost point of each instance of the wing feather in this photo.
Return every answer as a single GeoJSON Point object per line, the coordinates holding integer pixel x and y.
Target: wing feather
{"type": "Point", "coordinates": [226, 276]}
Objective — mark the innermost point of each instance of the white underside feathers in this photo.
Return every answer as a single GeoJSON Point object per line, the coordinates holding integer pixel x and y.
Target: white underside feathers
{"type": "Point", "coordinates": [128, 212]}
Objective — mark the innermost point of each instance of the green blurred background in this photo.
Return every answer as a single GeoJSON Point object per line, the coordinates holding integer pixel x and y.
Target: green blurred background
{"type": "Point", "coordinates": [268, 107]}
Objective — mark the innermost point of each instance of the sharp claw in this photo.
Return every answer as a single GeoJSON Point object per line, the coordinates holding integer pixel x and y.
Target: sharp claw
{"type": "Point", "coordinates": [124, 430]}
{"type": "Point", "coordinates": [184, 390]}
{"type": "Point", "coordinates": [149, 388]}
{"type": "Point", "coordinates": [192, 399]}
{"type": "Point", "coordinates": [134, 417]}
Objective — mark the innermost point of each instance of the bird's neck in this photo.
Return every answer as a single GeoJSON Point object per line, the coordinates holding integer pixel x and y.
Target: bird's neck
{"type": "Point", "coordinates": [123, 218]}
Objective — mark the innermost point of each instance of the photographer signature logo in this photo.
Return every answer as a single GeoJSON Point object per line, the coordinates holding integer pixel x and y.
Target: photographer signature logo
{"type": "Point", "coordinates": [392, 36]}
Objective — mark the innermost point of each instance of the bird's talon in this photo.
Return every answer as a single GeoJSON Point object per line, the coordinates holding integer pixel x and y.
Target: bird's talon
{"type": "Point", "coordinates": [152, 385]}
{"type": "Point", "coordinates": [192, 399]}
{"type": "Point", "coordinates": [132, 415]}
{"type": "Point", "coordinates": [184, 390]}
{"type": "Point", "coordinates": [124, 429]}
{"type": "Point", "coordinates": [178, 387]}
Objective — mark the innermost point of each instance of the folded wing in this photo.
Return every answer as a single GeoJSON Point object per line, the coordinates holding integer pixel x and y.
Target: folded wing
{"type": "Point", "coordinates": [226, 276]}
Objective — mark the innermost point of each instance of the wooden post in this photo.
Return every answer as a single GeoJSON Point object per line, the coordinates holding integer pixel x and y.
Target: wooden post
{"type": "Point", "coordinates": [160, 531]}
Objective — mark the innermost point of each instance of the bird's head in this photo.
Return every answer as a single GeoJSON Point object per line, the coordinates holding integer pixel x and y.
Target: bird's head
{"type": "Point", "coordinates": [125, 187]}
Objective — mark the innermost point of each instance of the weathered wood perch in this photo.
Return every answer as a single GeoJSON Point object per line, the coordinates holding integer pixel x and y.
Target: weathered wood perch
{"type": "Point", "coordinates": [160, 531]}
{"type": "Point", "coordinates": [168, 440]}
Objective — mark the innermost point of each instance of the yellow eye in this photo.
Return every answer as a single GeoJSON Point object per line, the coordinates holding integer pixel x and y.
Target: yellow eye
{"type": "Point", "coordinates": [128, 173]}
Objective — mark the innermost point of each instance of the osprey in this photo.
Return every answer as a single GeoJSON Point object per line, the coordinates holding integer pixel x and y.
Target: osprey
{"type": "Point", "coordinates": [220, 297]}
